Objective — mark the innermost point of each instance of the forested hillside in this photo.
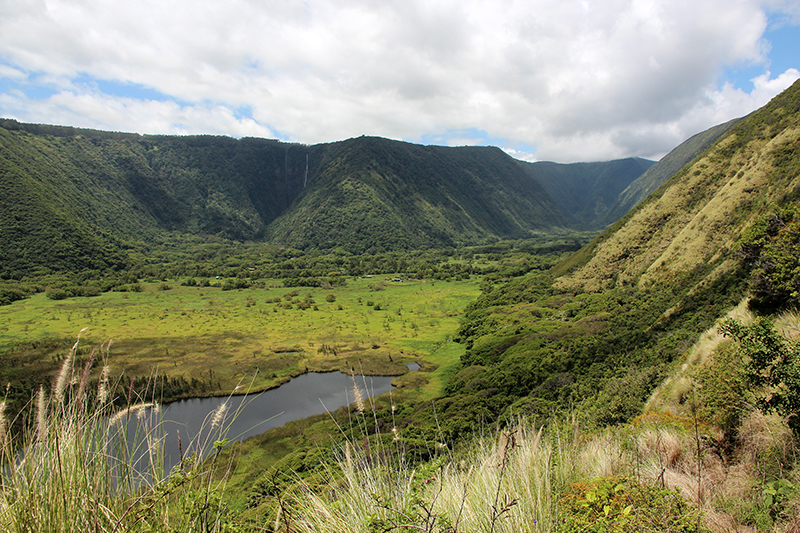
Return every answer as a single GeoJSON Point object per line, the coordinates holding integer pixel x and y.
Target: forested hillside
{"type": "Point", "coordinates": [585, 192]}
{"type": "Point", "coordinates": [376, 195]}
{"type": "Point", "coordinates": [77, 199]}
{"type": "Point", "coordinates": [603, 327]}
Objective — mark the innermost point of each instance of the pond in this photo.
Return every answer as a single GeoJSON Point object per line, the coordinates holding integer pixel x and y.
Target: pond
{"type": "Point", "coordinates": [306, 395]}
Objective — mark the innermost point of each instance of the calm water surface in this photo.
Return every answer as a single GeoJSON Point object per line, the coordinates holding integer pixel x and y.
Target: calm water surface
{"type": "Point", "coordinates": [245, 416]}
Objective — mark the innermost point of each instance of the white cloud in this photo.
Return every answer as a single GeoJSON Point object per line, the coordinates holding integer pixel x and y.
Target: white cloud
{"type": "Point", "coordinates": [11, 73]}
{"type": "Point", "coordinates": [92, 110]}
{"type": "Point", "coordinates": [575, 80]}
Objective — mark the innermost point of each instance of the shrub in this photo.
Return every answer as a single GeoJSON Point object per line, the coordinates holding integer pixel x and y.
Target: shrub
{"type": "Point", "coordinates": [90, 290]}
{"type": "Point", "coordinates": [620, 505]}
{"type": "Point", "coordinates": [57, 294]}
{"type": "Point", "coordinates": [769, 247]}
{"type": "Point", "coordinates": [772, 367]}
{"type": "Point", "coordinates": [11, 295]}
{"type": "Point", "coordinates": [723, 389]}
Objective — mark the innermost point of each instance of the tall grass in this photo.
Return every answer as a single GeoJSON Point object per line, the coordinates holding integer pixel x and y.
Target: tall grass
{"type": "Point", "coordinates": [81, 466]}
{"type": "Point", "coordinates": [514, 481]}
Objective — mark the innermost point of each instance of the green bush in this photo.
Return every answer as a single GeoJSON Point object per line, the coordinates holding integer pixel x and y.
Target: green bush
{"type": "Point", "coordinates": [90, 290]}
{"type": "Point", "coordinates": [607, 505]}
{"type": "Point", "coordinates": [769, 249]}
{"type": "Point", "coordinates": [11, 295]}
{"type": "Point", "coordinates": [57, 294]}
{"type": "Point", "coordinates": [772, 369]}
{"type": "Point", "coordinates": [723, 389]}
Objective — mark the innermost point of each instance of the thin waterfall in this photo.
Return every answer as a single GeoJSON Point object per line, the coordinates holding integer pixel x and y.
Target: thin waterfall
{"type": "Point", "coordinates": [305, 177]}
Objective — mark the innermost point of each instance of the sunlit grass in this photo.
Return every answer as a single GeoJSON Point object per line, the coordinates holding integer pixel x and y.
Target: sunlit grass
{"type": "Point", "coordinates": [511, 480]}
{"type": "Point", "coordinates": [240, 333]}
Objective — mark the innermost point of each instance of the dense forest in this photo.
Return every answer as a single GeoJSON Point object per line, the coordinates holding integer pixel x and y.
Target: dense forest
{"type": "Point", "coordinates": [77, 199]}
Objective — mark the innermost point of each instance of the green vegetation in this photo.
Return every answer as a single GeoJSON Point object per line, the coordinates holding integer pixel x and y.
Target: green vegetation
{"type": "Point", "coordinates": [598, 394]}
{"type": "Point", "coordinates": [771, 367]}
{"type": "Point", "coordinates": [586, 191]}
{"type": "Point", "coordinates": [769, 250]}
{"type": "Point", "coordinates": [79, 473]}
{"type": "Point", "coordinates": [267, 315]}
{"type": "Point", "coordinates": [205, 340]}
{"type": "Point", "coordinates": [76, 200]}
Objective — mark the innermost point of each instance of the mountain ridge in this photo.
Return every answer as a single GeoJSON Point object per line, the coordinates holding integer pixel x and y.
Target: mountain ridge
{"type": "Point", "coordinates": [695, 218]}
{"type": "Point", "coordinates": [99, 193]}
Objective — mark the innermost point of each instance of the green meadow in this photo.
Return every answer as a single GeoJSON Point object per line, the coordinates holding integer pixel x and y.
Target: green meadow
{"type": "Point", "coordinates": [253, 338]}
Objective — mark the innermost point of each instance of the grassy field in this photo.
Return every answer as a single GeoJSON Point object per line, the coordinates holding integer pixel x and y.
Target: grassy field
{"type": "Point", "coordinates": [371, 326]}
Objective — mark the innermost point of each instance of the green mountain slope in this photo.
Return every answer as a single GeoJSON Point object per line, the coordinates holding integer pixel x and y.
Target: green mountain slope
{"type": "Point", "coordinates": [75, 198]}
{"type": "Point", "coordinates": [601, 330]}
{"type": "Point", "coordinates": [62, 207]}
{"type": "Point", "coordinates": [657, 174]}
{"type": "Point", "coordinates": [585, 192]}
{"type": "Point", "coordinates": [695, 218]}
{"type": "Point", "coordinates": [373, 194]}
{"type": "Point", "coordinates": [223, 186]}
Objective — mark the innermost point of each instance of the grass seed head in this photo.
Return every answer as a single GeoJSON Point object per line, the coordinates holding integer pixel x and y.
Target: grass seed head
{"type": "Point", "coordinates": [219, 415]}
{"type": "Point", "coordinates": [41, 414]}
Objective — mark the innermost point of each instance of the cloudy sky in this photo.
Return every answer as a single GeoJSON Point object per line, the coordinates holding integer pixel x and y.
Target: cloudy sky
{"type": "Point", "coordinates": [561, 80]}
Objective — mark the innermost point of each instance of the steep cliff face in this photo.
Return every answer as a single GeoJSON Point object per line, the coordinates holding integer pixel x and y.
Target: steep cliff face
{"type": "Point", "coordinates": [74, 198]}
{"type": "Point", "coordinates": [585, 192]}
{"type": "Point", "coordinates": [374, 194]}
{"type": "Point", "coordinates": [694, 220]}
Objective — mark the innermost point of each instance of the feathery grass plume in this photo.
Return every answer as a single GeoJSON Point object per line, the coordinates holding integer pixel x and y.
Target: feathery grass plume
{"type": "Point", "coordinates": [65, 375]}
{"type": "Point", "coordinates": [348, 457]}
{"type": "Point", "coordinates": [42, 421]}
{"type": "Point", "coordinates": [3, 425]}
{"type": "Point", "coordinates": [359, 398]}
{"type": "Point", "coordinates": [102, 387]}
{"type": "Point", "coordinates": [219, 415]}
{"type": "Point", "coordinates": [87, 368]}
{"type": "Point", "coordinates": [137, 409]}
{"type": "Point", "coordinates": [82, 471]}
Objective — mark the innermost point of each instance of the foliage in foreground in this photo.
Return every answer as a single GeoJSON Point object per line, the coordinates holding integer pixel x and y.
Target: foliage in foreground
{"type": "Point", "coordinates": [520, 479]}
{"type": "Point", "coordinates": [84, 467]}
{"type": "Point", "coordinates": [771, 367]}
{"type": "Point", "coordinates": [656, 474]}
{"type": "Point", "coordinates": [662, 473]}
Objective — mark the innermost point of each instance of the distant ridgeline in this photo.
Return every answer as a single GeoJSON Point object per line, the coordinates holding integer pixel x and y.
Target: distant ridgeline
{"type": "Point", "coordinates": [76, 199]}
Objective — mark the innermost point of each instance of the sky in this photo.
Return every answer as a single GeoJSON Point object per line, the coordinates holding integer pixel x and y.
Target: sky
{"type": "Point", "coordinates": [557, 80]}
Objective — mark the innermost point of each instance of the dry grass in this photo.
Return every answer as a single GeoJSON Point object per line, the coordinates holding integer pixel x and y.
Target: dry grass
{"type": "Point", "coordinates": [671, 394]}
{"type": "Point", "coordinates": [690, 221]}
{"type": "Point", "coordinates": [509, 483]}
{"type": "Point", "coordinates": [515, 480]}
{"type": "Point", "coordinates": [728, 483]}
{"type": "Point", "coordinates": [82, 467]}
